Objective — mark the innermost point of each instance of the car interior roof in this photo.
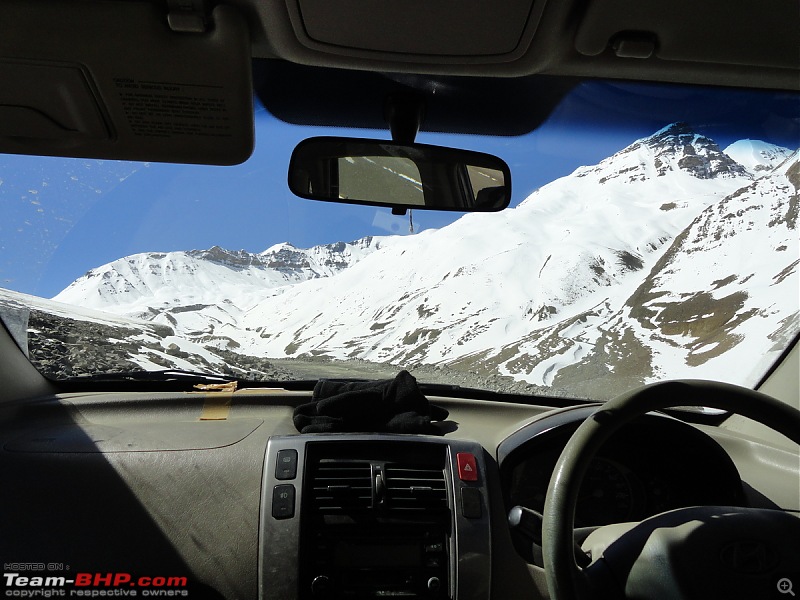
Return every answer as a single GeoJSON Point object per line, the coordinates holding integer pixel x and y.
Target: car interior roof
{"type": "Point", "coordinates": [154, 482]}
{"type": "Point", "coordinates": [675, 42]}
{"type": "Point", "coordinates": [76, 74]}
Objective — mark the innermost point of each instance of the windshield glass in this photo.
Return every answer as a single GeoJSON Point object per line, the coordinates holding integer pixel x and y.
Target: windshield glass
{"type": "Point", "coordinates": [652, 234]}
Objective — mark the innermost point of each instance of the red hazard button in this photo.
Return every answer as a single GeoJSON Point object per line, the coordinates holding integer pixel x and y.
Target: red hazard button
{"type": "Point", "coordinates": [467, 469]}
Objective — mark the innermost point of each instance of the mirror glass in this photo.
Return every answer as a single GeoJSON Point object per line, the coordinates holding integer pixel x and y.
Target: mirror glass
{"type": "Point", "coordinates": [383, 173]}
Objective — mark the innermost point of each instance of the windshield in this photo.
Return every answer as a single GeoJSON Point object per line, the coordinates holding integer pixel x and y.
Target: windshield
{"type": "Point", "coordinates": [652, 235]}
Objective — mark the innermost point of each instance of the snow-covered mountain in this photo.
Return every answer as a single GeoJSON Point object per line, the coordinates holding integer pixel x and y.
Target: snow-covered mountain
{"type": "Point", "coordinates": [759, 158]}
{"type": "Point", "coordinates": [198, 290]}
{"type": "Point", "coordinates": [731, 275]}
{"type": "Point", "coordinates": [575, 243]}
{"type": "Point", "coordinates": [640, 267]}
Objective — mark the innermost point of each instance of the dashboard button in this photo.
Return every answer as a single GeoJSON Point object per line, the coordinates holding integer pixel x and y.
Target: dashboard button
{"type": "Point", "coordinates": [321, 586]}
{"type": "Point", "coordinates": [467, 467]}
{"type": "Point", "coordinates": [283, 501]}
{"type": "Point", "coordinates": [434, 585]}
{"type": "Point", "coordinates": [287, 464]}
{"type": "Point", "coordinates": [471, 503]}
{"type": "Point", "coordinates": [435, 547]}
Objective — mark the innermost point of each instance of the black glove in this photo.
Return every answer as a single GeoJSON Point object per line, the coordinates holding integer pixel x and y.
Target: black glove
{"type": "Point", "coordinates": [393, 405]}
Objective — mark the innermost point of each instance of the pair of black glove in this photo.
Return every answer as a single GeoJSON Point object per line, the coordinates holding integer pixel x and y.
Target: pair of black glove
{"type": "Point", "coordinates": [392, 406]}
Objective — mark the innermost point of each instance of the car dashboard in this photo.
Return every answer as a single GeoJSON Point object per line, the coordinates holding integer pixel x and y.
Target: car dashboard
{"type": "Point", "coordinates": [220, 489]}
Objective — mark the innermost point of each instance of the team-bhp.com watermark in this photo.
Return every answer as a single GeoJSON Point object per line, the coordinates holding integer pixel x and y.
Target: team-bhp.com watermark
{"type": "Point", "coordinates": [20, 583]}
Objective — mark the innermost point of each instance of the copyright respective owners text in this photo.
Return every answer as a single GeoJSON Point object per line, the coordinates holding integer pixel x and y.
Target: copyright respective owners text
{"type": "Point", "coordinates": [61, 580]}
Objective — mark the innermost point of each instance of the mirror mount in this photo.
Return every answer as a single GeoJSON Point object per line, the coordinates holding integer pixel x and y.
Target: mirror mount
{"type": "Point", "coordinates": [405, 114]}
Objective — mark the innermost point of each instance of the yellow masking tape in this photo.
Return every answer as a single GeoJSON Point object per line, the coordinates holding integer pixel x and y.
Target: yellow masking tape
{"type": "Point", "coordinates": [217, 406]}
{"type": "Point", "coordinates": [218, 403]}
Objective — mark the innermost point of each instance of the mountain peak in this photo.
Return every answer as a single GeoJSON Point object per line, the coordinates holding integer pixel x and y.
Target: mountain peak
{"type": "Point", "coordinates": [677, 128]}
{"type": "Point", "coordinates": [278, 247]}
{"type": "Point", "coordinates": [679, 148]}
{"type": "Point", "coordinates": [676, 137]}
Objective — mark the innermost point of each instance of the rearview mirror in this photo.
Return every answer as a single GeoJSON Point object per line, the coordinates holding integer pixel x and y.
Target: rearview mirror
{"type": "Point", "coordinates": [383, 173]}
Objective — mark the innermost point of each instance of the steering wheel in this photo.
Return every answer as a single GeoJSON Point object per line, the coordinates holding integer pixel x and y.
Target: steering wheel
{"type": "Point", "coordinates": [690, 553]}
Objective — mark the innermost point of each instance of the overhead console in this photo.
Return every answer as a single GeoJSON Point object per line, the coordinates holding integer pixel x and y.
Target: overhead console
{"type": "Point", "coordinates": [367, 516]}
{"type": "Point", "coordinates": [442, 30]}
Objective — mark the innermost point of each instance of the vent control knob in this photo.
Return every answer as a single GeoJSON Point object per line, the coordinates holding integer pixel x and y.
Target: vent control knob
{"type": "Point", "coordinates": [434, 585]}
{"type": "Point", "coordinates": [321, 586]}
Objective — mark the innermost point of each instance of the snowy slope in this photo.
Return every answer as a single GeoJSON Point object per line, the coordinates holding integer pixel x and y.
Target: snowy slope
{"type": "Point", "coordinates": [575, 243]}
{"type": "Point", "coordinates": [731, 275]}
{"type": "Point", "coordinates": [65, 340]}
{"type": "Point", "coordinates": [129, 340]}
{"type": "Point", "coordinates": [696, 309]}
{"type": "Point", "coordinates": [759, 158]}
{"type": "Point", "coordinates": [196, 291]}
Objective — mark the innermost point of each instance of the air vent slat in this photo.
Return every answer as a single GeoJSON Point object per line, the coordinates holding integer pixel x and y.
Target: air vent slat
{"type": "Point", "coordinates": [346, 486]}
{"type": "Point", "coordinates": [340, 486]}
{"type": "Point", "coordinates": [415, 487]}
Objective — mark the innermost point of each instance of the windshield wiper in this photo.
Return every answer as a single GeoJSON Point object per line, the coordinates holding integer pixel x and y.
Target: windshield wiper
{"type": "Point", "coordinates": [170, 380]}
{"type": "Point", "coordinates": [160, 376]}
{"type": "Point", "coordinates": [167, 380]}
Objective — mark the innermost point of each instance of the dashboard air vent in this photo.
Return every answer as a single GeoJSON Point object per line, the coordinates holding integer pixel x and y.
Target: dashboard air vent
{"type": "Point", "coordinates": [342, 486]}
{"type": "Point", "coordinates": [411, 487]}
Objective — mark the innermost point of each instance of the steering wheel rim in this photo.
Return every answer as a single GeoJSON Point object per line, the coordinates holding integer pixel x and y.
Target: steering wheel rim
{"type": "Point", "coordinates": [565, 579]}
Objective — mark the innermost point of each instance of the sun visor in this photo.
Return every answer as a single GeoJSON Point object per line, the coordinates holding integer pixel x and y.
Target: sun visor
{"type": "Point", "coordinates": [124, 80]}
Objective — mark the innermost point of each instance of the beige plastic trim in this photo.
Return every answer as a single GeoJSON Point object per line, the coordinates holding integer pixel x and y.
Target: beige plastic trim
{"type": "Point", "coordinates": [784, 385]}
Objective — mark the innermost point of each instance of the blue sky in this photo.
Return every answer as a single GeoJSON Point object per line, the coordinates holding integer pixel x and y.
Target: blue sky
{"type": "Point", "coordinates": [62, 217]}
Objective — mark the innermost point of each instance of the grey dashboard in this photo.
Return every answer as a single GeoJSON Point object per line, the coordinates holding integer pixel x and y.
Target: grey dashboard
{"type": "Point", "coordinates": [188, 485]}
